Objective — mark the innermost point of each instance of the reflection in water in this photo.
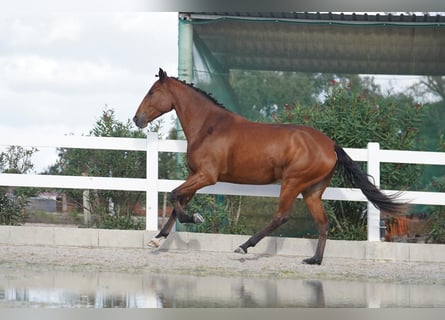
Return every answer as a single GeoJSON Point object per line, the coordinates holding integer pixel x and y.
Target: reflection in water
{"type": "Point", "coordinates": [75, 289]}
{"type": "Point", "coordinates": [107, 290]}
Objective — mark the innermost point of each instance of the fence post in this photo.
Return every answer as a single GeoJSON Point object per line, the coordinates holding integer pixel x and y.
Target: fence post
{"type": "Point", "coordinates": [152, 182]}
{"type": "Point", "coordinates": [374, 172]}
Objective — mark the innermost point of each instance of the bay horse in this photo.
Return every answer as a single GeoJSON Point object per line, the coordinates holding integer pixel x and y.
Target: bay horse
{"type": "Point", "coordinates": [223, 146]}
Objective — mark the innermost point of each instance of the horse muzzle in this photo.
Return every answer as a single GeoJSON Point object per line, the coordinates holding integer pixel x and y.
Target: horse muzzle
{"type": "Point", "coordinates": [140, 121]}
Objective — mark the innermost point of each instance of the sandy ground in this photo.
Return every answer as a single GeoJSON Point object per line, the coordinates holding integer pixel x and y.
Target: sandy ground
{"type": "Point", "coordinates": [215, 263]}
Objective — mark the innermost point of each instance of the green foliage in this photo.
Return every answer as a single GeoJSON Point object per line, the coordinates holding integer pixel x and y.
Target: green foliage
{"type": "Point", "coordinates": [217, 216]}
{"type": "Point", "coordinates": [432, 137]}
{"type": "Point", "coordinates": [103, 163]}
{"type": "Point", "coordinates": [432, 127]}
{"type": "Point", "coordinates": [173, 165]}
{"type": "Point", "coordinates": [107, 163]}
{"type": "Point", "coordinates": [11, 207]}
{"type": "Point", "coordinates": [259, 93]}
{"type": "Point", "coordinates": [343, 224]}
{"type": "Point", "coordinates": [437, 233]}
{"type": "Point", "coordinates": [352, 117]}
{"type": "Point", "coordinates": [437, 214]}
{"type": "Point", "coordinates": [106, 220]}
{"type": "Point", "coordinates": [16, 159]}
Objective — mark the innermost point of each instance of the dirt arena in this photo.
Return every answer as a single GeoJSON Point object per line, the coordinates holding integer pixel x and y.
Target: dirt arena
{"type": "Point", "coordinates": [215, 263]}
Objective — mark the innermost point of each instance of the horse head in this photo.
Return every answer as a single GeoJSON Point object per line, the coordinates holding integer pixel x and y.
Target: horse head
{"type": "Point", "coordinates": [156, 102]}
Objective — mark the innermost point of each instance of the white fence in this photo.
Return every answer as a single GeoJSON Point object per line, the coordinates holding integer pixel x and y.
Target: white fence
{"type": "Point", "coordinates": [373, 155]}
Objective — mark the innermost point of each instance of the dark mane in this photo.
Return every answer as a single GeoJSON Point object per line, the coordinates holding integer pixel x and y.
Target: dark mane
{"type": "Point", "coordinates": [206, 94]}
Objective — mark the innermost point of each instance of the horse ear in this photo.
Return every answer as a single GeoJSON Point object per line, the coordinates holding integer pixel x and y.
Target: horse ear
{"type": "Point", "coordinates": [162, 74]}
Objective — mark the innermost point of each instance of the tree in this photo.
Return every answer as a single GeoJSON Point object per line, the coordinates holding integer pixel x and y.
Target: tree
{"type": "Point", "coordinates": [432, 136]}
{"type": "Point", "coordinates": [110, 208]}
{"type": "Point", "coordinates": [261, 93]}
{"type": "Point", "coordinates": [353, 115]}
{"type": "Point", "coordinates": [16, 159]}
{"type": "Point", "coordinates": [434, 85]}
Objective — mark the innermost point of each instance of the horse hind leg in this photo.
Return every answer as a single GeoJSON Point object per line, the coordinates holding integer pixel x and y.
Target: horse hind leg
{"type": "Point", "coordinates": [314, 203]}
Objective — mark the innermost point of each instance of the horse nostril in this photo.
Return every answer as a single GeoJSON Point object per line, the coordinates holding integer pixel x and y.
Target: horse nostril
{"type": "Point", "coordinates": [139, 121]}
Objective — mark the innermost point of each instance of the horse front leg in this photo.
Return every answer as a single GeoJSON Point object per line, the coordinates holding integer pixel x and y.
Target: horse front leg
{"type": "Point", "coordinates": [166, 229]}
{"type": "Point", "coordinates": [179, 198]}
{"type": "Point", "coordinates": [179, 203]}
{"type": "Point", "coordinates": [277, 221]}
{"type": "Point", "coordinates": [184, 193]}
{"type": "Point", "coordinates": [287, 197]}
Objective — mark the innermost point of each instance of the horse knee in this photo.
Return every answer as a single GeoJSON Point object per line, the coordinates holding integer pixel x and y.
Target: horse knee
{"type": "Point", "coordinates": [323, 228]}
{"type": "Point", "coordinates": [284, 219]}
{"type": "Point", "coordinates": [174, 197]}
{"type": "Point", "coordinates": [281, 219]}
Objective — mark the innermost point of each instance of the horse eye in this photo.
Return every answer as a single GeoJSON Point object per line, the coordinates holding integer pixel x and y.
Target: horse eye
{"type": "Point", "coordinates": [150, 93]}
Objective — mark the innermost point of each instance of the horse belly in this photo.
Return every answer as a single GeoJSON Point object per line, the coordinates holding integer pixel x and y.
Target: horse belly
{"type": "Point", "coordinates": [254, 177]}
{"type": "Point", "coordinates": [258, 168]}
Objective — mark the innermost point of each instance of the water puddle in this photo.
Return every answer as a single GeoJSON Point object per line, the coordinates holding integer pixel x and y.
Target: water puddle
{"type": "Point", "coordinates": [26, 288]}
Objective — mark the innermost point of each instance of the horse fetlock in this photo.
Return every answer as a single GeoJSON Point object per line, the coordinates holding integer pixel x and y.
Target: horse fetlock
{"type": "Point", "coordinates": [155, 242]}
{"type": "Point", "coordinates": [197, 218]}
{"type": "Point", "coordinates": [240, 250]}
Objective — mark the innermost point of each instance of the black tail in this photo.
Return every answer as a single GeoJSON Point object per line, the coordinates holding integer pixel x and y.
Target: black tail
{"type": "Point", "coordinates": [358, 179]}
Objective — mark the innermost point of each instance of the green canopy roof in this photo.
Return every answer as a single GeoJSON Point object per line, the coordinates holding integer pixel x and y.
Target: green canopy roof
{"type": "Point", "coordinates": [328, 43]}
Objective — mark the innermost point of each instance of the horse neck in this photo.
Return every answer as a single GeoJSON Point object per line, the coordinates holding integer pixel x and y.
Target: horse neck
{"type": "Point", "coordinates": [193, 109]}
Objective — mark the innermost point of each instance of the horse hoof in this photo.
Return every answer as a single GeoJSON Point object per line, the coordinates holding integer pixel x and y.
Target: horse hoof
{"type": "Point", "coordinates": [197, 218]}
{"type": "Point", "coordinates": [311, 261]}
{"type": "Point", "coordinates": [154, 243]}
{"type": "Point", "coordinates": [240, 250]}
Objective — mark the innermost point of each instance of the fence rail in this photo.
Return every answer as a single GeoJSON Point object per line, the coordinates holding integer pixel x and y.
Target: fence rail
{"type": "Point", "coordinates": [373, 155]}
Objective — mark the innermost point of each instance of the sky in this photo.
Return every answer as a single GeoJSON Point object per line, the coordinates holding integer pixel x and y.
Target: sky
{"type": "Point", "coordinates": [59, 71]}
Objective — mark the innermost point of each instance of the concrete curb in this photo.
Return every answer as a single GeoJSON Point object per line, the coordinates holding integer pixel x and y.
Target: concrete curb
{"type": "Point", "coordinates": [80, 237]}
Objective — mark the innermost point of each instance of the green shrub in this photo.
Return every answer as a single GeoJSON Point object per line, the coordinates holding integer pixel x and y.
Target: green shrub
{"type": "Point", "coordinates": [218, 218]}
{"type": "Point", "coordinates": [11, 208]}
{"type": "Point", "coordinates": [437, 233]}
{"type": "Point", "coordinates": [105, 220]}
{"type": "Point", "coordinates": [352, 118]}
